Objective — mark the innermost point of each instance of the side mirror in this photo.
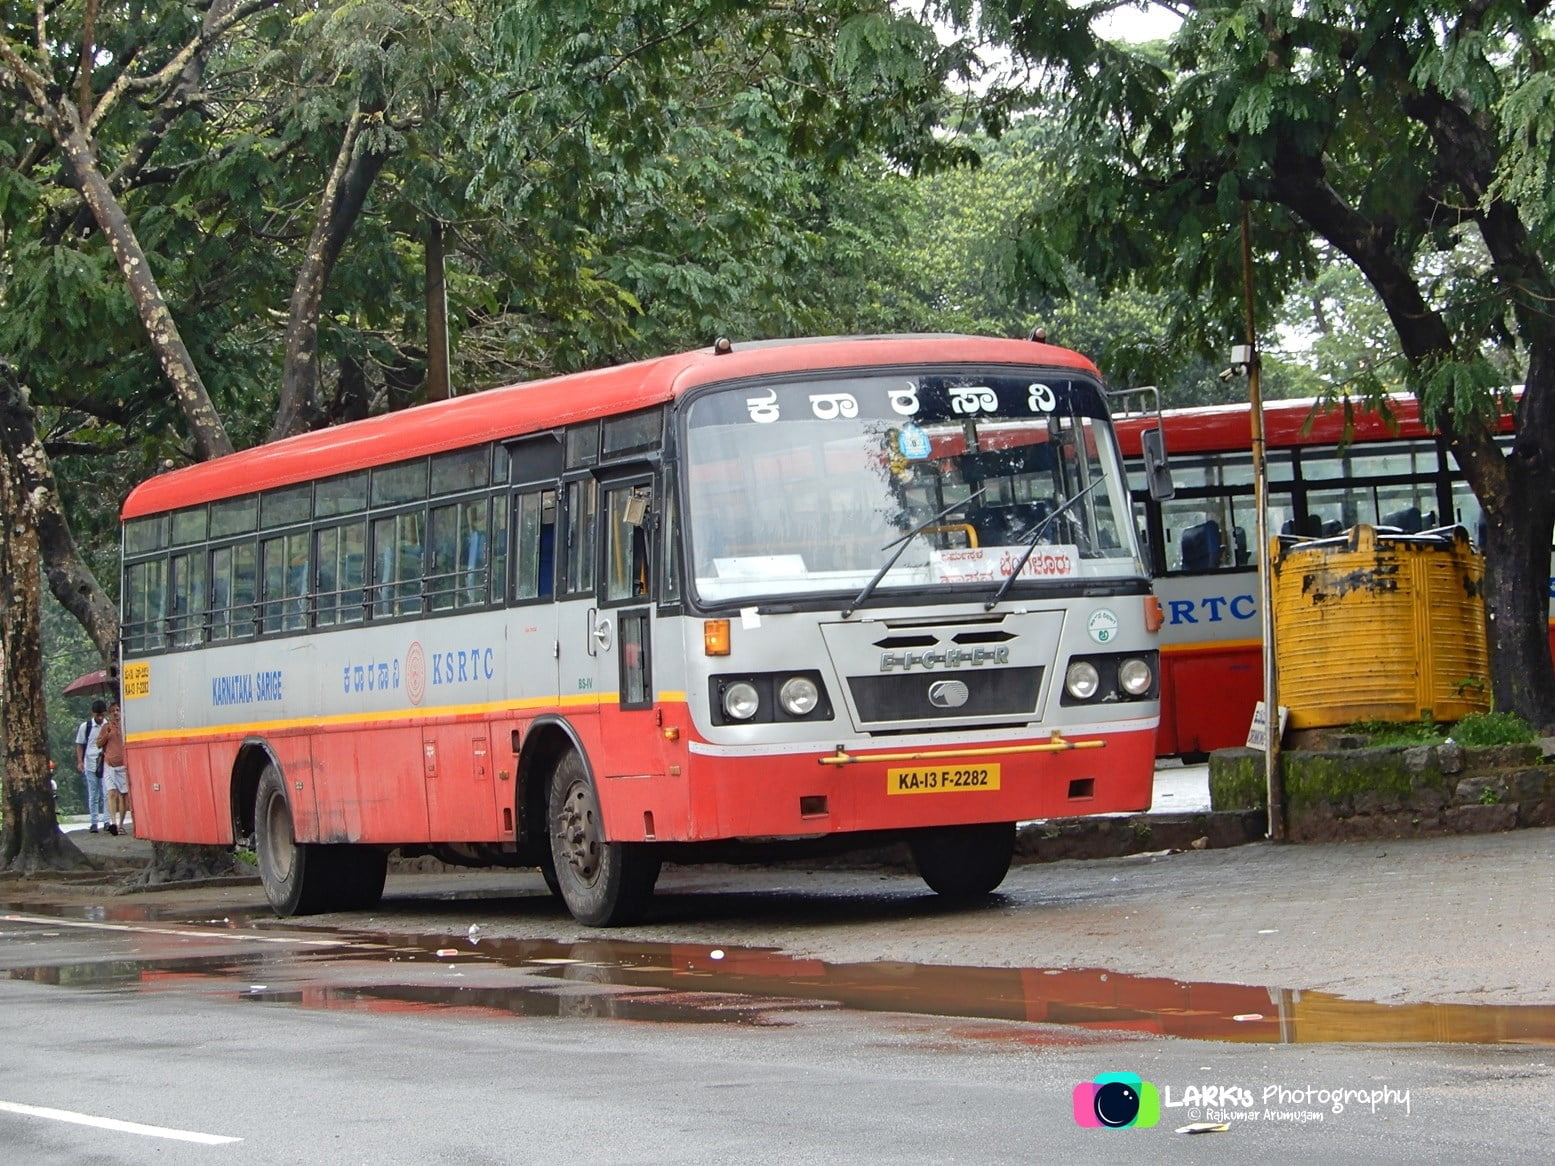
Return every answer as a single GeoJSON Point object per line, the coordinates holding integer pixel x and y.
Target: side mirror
{"type": "Point", "coordinates": [1158, 474]}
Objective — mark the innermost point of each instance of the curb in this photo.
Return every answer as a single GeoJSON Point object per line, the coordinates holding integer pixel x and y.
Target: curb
{"type": "Point", "coordinates": [1113, 837]}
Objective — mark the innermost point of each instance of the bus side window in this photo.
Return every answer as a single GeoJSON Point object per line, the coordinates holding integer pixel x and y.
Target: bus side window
{"type": "Point", "coordinates": [499, 548]}
{"type": "Point", "coordinates": [397, 564]}
{"type": "Point", "coordinates": [339, 553]}
{"type": "Point", "coordinates": [285, 602]}
{"type": "Point", "coordinates": [535, 535]}
{"type": "Point", "coordinates": [627, 510]}
{"type": "Point", "coordinates": [582, 510]}
{"type": "Point", "coordinates": [669, 549]}
{"type": "Point", "coordinates": [442, 557]}
{"type": "Point", "coordinates": [143, 605]}
{"type": "Point", "coordinates": [187, 584]}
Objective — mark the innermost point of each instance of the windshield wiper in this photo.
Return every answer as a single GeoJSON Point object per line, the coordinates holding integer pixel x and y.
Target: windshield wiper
{"type": "Point", "coordinates": [1031, 538]}
{"type": "Point", "coordinates": [901, 545]}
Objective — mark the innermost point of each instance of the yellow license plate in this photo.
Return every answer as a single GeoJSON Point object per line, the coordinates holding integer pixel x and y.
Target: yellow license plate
{"type": "Point", "coordinates": [942, 779]}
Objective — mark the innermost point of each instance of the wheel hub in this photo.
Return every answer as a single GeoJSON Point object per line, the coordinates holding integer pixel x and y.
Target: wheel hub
{"type": "Point", "coordinates": [280, 846]}
{"type": "Point", "coordinates": [578, 833]}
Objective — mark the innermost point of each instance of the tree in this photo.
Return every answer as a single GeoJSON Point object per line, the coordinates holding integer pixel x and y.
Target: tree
{"type": "Point", "coordinates": [30, 837]}
{"type": "Point", "coordinates": [536, 144]}
{"type": "Point", "coordinates": [1400, 133]}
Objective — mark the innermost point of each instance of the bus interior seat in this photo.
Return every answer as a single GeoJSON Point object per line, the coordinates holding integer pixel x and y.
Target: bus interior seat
{"type": "Point", "coordinates": [1004, 525]}
{"type": "Point", "coordinates": [1201, 546]}
{"type": "Point", "coordinates": [1239, 540]}
{"type": "Point", "coordinates": [992, 525]}
{"type": "Point", "coordinates": [1332, 527]}
{"type": "Point", "coordinates": [547, 564]}
{"type": "Point", "coordinates": [1310, 527]}
{"type": "Point", "coordinates": [1408, 520]}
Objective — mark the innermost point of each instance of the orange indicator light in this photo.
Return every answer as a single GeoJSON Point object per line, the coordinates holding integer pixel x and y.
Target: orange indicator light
{"type": "Point", "coordinates": [715, 637]}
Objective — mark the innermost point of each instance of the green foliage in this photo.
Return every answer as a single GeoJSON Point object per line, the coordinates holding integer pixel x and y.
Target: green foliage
{"type": "Point", "coordinates": [1386, 733]}
{"type": "Point", "coordinates": [1151, 167]}
{"type": "Point", "coordinates": [1475, 730]}
{"type": "Point", "coordinates": [1495, 728]}
{"type": "Point", "coordinates": [1410, 137]}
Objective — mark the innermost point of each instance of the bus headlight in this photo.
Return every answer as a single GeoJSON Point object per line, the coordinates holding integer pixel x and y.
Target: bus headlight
{"type": "Point", "coordinates": [1082, 680]}
{"type": "Point", "coordinates": [1135, 676]}
{"type": "Point", "coordinates": [741, 701]}
{"type": "Point", "coordinates": [799, 696]}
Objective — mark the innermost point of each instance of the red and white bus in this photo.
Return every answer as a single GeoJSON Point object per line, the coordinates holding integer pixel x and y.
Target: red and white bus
{"type": "Point", "coordinates": [841, 589]}
{"type": "Point", "coordinates": [1387, 471]}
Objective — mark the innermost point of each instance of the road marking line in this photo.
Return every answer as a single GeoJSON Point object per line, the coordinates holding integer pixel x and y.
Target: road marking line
{"type": "Point", "coordinates": [110, 1123]}
{"type": "Point", "coordinates": [49, 921]}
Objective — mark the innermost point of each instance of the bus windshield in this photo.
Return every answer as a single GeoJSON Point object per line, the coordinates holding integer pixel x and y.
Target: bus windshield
{"type": "Point", "coordinates": [807, 488]}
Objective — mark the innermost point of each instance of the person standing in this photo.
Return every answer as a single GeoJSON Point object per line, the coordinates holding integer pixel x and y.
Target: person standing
{"type": "Point", "coordinates": [88, 757]}
{"type": "Point", "coordinates": [116, 778]}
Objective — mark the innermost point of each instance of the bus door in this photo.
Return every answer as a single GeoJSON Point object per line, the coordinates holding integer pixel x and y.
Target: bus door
{"type": "Point", "coordinates": [534, 629]}
{"type": "Point", "coordinates": [616, 629]}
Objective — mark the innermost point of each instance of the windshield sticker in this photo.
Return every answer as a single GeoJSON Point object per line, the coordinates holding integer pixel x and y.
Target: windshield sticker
{"type": "Point", "coordinates": [992, 564]}
{"type": "Point", "coordinates": [830, 406]}
{"type": "Point", "coordinates": [913, 443]}
{"type": "Point", "coordinates": [925, 400]}
{"type": "Point", "coordinates": [1102, 626]}
{"type": "Point", "coordinates": [973, 399]}
{"type": "Point", "coordinates": [763, 409]}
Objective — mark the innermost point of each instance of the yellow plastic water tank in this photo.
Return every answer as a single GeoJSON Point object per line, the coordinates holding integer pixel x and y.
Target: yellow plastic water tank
{"type": "Point", "coordinates": [1380, 626]}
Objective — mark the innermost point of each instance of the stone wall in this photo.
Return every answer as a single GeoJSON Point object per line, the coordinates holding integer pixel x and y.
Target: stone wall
{"type": "Point", "coordinates": [1395, 791]}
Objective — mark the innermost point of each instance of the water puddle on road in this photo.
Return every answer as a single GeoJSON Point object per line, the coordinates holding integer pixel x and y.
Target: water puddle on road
{"type": "Point", "coordinates": [696, 983]}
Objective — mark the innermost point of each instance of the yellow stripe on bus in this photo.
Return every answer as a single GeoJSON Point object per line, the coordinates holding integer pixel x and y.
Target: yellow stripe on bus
{"type": "Point", "coordinates": [1214, 646]}
{"type": "Point", "coordinates": [394, 716]}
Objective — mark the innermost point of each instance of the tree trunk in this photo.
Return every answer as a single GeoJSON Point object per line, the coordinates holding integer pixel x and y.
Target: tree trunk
{"type": "Point", "coordinates": [210, 435]}
{"type": "Point", "coordinates": [1518, 495]}
{"type": "Point", "coordinates": [351, 398]}
{"type": "Point", "coordinates": [31, 839]}
{"type": "Point", "coordinates": [340, 206]}
{"type": "Point", "coordinates": [70, 579]}
{"type": "Point", "coordinates": [173, 862]}
{"type": "Point", "coordinates": [439, 378]}
{"type": "Point", "coordinates": [1516, 489]}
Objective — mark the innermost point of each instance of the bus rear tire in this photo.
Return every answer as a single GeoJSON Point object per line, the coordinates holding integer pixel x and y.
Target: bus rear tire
{"type": "Point", "coordinates": [296, 875]}
{"type": "Point", "coordinates": [357, 878]}
{"type": "Point", "coordinates": [964, 862]}
{"type": "Point", "coordinates": [548, 873]}
{"type": "Point", "coordinates": [603, 884]}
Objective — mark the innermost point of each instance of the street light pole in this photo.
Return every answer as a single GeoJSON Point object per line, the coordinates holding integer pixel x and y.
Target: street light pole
{"type": "Point", "coordinates": [1274, 785]}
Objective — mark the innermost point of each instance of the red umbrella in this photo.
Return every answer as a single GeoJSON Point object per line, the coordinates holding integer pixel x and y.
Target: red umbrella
{"type": "Point", "coordinates": [95, 683]}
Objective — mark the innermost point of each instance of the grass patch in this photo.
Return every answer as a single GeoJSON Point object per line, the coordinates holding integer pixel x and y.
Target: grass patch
{"type": "Point", "coordinates": [1381, 733]}
{"type": "Point", "coordinates": [1481, 729]}
{"type": "Point", "coordinates": [1477, 730]}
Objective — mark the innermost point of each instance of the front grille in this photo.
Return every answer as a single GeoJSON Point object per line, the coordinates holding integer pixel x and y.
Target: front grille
{"type": "Point", "coordinates": [989, 693]}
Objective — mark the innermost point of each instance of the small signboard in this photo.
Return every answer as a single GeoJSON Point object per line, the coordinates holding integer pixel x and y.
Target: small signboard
{"type": "Point", "coordinates": [1258, 731]}
{"type": "Point", "coordinates": [995, 564]}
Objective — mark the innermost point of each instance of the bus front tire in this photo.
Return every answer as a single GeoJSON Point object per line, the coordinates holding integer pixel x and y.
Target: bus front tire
{"type": "Point", "coordinates": [293, 873]}
{"type": "Point", "coordinates": [603, 884]}
{"type": "Point", "coordinates": [964, 862]}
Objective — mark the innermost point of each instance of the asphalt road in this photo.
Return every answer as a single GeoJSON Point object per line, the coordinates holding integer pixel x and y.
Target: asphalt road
{"type": "Point", "coordinates": [796, 1016]}
{"type": "Point", "coordinates": [293, 1083]}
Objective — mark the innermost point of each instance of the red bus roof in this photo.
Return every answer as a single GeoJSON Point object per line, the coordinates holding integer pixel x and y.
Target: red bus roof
{"type": "Point", "coordinates": [1224, 428]}
{"type": "Point", "coordinates": [514, 410]}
